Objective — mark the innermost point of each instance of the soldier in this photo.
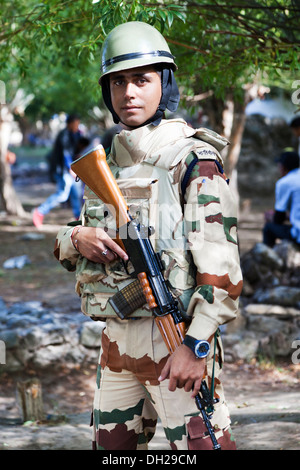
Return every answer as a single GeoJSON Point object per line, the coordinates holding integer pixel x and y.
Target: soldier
{"type": "Point", "coordinates": [173, 179]}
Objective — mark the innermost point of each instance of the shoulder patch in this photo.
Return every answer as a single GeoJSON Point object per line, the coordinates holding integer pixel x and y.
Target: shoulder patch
{"type": "Point", "coordinates": [206, 153]}
{"type": "Point", "coordinates": [201, 163]}
{"type": "Point", "coordinates": [205, 168]}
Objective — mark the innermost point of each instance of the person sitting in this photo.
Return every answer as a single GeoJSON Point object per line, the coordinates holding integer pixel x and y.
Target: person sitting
{"type": "Point", "coordinates": [284, 222]}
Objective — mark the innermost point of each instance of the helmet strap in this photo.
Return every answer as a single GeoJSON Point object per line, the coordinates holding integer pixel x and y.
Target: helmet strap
{"type": "Point", "coordinates": [169, 98]}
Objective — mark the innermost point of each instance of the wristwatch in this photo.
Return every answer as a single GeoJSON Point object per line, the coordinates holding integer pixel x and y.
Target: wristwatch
{"type": "Point", "coordinates": [200, 348]}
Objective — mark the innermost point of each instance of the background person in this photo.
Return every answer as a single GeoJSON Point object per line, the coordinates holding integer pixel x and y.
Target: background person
{"type": "Point", "coordinates": [284, 222]}
{"type": "Point", "coordinates": [64, 151]}
{"type": "Point", "coordinates": [295, 126]}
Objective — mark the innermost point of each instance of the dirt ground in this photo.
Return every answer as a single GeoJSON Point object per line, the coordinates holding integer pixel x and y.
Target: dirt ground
{"type": "Point", "coordinates": [263, 398]}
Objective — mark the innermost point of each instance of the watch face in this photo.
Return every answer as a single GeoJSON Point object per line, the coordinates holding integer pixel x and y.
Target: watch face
{"type": "Point", "coordinates": [202, 349]}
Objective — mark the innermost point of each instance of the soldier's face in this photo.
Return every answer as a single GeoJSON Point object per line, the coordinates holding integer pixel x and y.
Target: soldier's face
{"type": "Point", "coordinates": [135, 95]}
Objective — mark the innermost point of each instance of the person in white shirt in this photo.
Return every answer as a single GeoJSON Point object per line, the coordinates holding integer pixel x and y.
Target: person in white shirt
{"type": "Point", "coordinates": [285, 221]}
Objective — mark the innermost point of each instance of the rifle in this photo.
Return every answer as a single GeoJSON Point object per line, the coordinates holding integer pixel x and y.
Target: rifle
{"type": "Point", "coordinates": [150, 285]}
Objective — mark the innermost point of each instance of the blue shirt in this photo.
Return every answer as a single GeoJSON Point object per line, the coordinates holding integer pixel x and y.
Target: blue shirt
{"type": "Point", "coordinates": [287, 199]}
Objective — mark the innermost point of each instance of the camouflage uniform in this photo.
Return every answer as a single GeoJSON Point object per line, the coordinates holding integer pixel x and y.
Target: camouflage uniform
{"type": "Point", "coordinates": [195, 234]}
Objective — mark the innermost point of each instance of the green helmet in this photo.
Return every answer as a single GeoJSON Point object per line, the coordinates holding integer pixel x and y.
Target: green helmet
{"type": "Point", "coordinates": [134, 44]}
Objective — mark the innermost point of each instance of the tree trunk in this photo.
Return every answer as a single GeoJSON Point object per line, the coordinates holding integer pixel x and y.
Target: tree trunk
{"type": "Point", "coordinates": [228, 119]}
{"type": "Point", "coordinates": [236, 116]}
{"type": "Point", "coordinates": [9, 199]}
{"type": "Point", "coordinates": [30, 397]}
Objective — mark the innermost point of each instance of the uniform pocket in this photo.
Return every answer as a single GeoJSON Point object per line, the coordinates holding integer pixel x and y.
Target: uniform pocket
{"type": "Point", "coordinates": [197, 438]}
{"type": "Point", "coordinates": [141, 196]}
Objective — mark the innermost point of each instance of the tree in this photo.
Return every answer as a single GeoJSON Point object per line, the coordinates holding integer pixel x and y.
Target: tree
{"type": "Point", "coordinates": [237, 46]}
{"type": "Point", "coordinates": [222, 47]}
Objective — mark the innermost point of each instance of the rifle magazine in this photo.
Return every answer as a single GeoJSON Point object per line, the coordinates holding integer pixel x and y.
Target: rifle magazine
{"type": "Point", "coordinates": [128, 299]}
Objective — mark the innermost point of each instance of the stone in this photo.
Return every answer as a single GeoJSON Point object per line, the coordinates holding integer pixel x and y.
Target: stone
{"type": "Point", "coordinates": [289, 253]}
{"type": "Point", "coordinates": [10, 338]}
{"type": "Point", "coordinates": [274, 345]}
{"type": "Point", "coordinates": [269, 309]}
{"type": "Point", "coordinates": [34, 336]}
{"type": "Point", "coordinates": [90, 335]}
{"type": "Point", "coordinates": [56, 356]}
{"type": "Point", "coordinates": [3, 309]}
{"type": "Point", "coordinates": [280, 295]}
{"type": "Point", "coordinates": [17, 262]}
{"type": "Point", "coordinates": [245, 349]}
{"type": "Point", "coordinates": [12, 364]}
{"type": "Point", "coordinates": [264, 255]}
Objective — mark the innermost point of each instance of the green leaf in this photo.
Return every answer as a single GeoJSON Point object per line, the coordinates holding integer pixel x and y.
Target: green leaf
{"type": "Point", "coordinates": [170, 18]}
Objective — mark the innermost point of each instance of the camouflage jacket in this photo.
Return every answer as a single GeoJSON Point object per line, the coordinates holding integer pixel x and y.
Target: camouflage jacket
{"type": "Point", "coordinates": [195, 233]}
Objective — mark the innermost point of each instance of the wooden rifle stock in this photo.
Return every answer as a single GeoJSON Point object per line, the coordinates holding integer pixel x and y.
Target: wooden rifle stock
{"type": "Point", "coordinates": [173, 334]}
{"type": "Point", "coordinates": [93, 170]}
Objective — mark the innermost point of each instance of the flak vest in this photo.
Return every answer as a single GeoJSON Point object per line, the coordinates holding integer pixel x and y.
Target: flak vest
{"type": "Point", "coordinates": [149, 165]}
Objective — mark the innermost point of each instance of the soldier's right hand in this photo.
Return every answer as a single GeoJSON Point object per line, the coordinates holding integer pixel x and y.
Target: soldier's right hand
{"type": "Point", "coordinates": [97, 246]}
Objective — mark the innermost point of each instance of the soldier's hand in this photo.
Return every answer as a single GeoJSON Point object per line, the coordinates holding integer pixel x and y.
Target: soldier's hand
{"type": "Point", "coordinates": [184, 370]}
{"type": "Point", "coordinates": [96, 245]}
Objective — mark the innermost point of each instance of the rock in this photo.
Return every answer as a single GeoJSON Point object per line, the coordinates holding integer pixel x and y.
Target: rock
{"type": "Point", "coordinates": [90, 335]}
{"type": "Point", "coordinates": [265, 266]}
{"type": "Point", "coordinates": [16, 262]}
{"type": "Point", "coordinates": [244, 349]}
{"type": "Point", "coordinates": [262, 264]}
{"type": "Point", "coordinates": [12, 364]}
{"type": "Point", "coordinates": [263, 140]}
{"type": "Point", "coordinates": [54, 356]}
{"type": "Point", "coordinates": [267, 309]}
{"type": "Point", "coordinates": [32, 236]}
{"type": "Point", "coordinates": [264, 255]}
{"type": "Point", "coordinates": [272, 309]}
{"type": "Point", "coordinates": [44, 335]}
{"type": "Point", "coordinates": [280, 295]}
{"type": "Point", "coordinates": [10, 338]}
{"type": "Point", "coordinates": [3, 309]}
{"type": "Point", "coordinates": [290, 254]}
{"type": "Point", "coordinates": [34, 336]}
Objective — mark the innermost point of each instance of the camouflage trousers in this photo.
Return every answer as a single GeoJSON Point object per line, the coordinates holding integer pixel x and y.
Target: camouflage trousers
{"type": "Point", "coordinates": [129, 398]}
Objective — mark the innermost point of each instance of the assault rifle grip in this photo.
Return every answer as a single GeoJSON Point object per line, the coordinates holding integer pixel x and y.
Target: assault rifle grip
{"type": "Point", "coordinates": [142, 277]}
